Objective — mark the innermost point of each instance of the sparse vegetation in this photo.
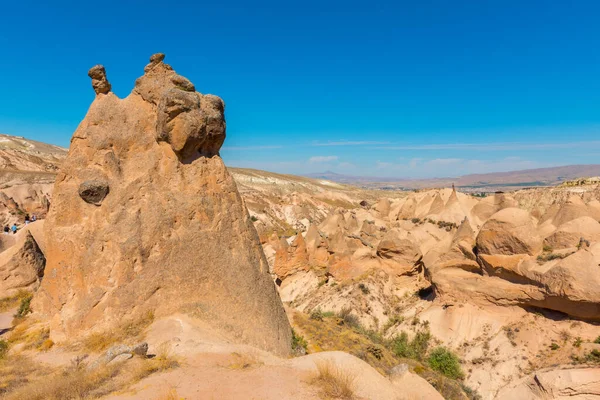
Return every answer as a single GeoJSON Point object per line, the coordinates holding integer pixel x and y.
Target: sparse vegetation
{"type": "Point", "coordinates": [446, 362]}
{"type": "Point", "coordinates": [364, 288]}
{"type": "Point", "coordinates": [597, 340]}
{"type": "Point", "coordinates": [12, 302]}
{"type": "Point", "coordinates": [554, 346]}
{"type": "Point", "coordinates": [24, 306]}
{"type": "Point", "coordinates": [593, 356]}
{"type": "Point", "coordinates": [244, 361]}
{"type": "Point", "coordinates": [21, 379]}
{"type": "Point", "coordinates": [415, 349]}
{"type": "Point", "coordinates": [99, 341]}
{"type": "Point", "coordinates": [577, 342]}
{"type": "Point", "coordinates": [565, 335]}
{"type": "Point", "coordinates": [542, 258]}
{"type": "Point", "coordinates": [334, 382]}
{"type": "Point", "coordinates": [3, 348]}
{"type": "Point", "coordinates": [471, 393]}
{"type": "Point", "coordinates": [299, 344]}
{"type": "Point", "coordinates": [393, 321]}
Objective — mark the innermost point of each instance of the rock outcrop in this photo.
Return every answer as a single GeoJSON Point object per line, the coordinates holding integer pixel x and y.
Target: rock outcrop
{"type": "Point", "coordinates": [145, 217]}
{"type": "Point", "coordinates": [21, 265]}
{"type": "Point", "coordinates": [574, 383]}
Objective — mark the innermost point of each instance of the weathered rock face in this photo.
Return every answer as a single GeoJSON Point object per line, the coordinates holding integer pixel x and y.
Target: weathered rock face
{"type": "Point", "coordinates": [21, 266]}
{"type": "Point", "coordinates": [574, 383]}
{"type": "Point", "coordinates": [159, 225]}
{"type": "Point", "coordinates": [509, 231]}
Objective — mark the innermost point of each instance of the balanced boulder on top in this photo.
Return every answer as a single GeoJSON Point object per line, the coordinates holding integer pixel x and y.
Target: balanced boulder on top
{"type": "Point", "coordinates": [145, 217]}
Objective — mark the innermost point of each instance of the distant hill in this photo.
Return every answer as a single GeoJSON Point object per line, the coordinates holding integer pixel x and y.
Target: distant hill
{"type": "Point", "coordinates": [20, 154]}
{"type": "Point", "coordinates": [491, 181]}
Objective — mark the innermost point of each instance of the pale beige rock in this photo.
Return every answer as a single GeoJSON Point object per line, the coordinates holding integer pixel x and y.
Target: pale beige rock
{"type": "Point", "coordinates": [560, 384]}
{"type": "Point", "coordinates": [21, 266]}
{"type": "Point", "coordinates": [568, 234]}
{"type": "Point", "coordinates": [172, 233]}
{"type": "Point", "coordinates": [402, 255]}
{"type": "Point", "coordinates": [509, 231]}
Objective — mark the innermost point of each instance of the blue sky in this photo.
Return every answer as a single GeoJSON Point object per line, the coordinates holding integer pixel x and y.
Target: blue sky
{"type": "Point", "coordinates": [380, 88]}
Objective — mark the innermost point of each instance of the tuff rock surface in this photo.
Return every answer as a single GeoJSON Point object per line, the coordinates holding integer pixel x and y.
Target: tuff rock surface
{"type": "Point", "coordinates": [146, 218]}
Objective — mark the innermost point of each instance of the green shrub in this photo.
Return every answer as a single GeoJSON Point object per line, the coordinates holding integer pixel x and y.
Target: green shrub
{"type": "Point", "coordinates": [593, 356]}
{"type": "Point", "coordinates": [299, 344]}
{"type": "Point", "coordinates": [349, 319]}
{"type": "Point", "coordinates": [415, 349]}
{"type": "Point", "coordinates": [577, 342]}
{"type": "Point", "coordinates": [597, 341]}
{"type": "Point", "coordinates": [316, 314]}
{"type": "Point", "coordinates": [554, 346]}
{"type": "Point", "coordinates": [471, 393]}
{"type": "Point", "coordinates": [364, 288]}
{"type": "Point", "coordinates": [24, 307]}
{"type": "Point", "coordinates": [445, 362]}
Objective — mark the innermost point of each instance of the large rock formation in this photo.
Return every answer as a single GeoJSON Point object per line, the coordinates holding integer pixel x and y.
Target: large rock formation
{"type": "Point", "coordinates": [145, 217]}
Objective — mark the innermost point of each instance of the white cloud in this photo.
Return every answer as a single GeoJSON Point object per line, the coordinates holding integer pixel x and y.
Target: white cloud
{"type": "Point", "coordinates": [442, 162]}
{"type": "Point", "coordinates": [414, 162]}
{"type": "Point", "coordinates": [348, 143]}
{"type": "Point", "coordinates": [322, 159]}
{"type": "Point", "coordinates": [234, 148]}
{"type": "Point", "coordinates": [494, 146]}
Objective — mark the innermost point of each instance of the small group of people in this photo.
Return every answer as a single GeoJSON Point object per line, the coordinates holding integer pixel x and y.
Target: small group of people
{"type": "Point", "coordinates": [14, 228]}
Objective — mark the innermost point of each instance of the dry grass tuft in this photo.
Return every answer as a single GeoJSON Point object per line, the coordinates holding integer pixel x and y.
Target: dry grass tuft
{"type": "Point", "coordinates": [335, 383]}
{"type": "Point", "coordinates": [21, 379]}
{"type": "Point", "coordinates": [67, 384]}
{"type": "Point", "coordinates": [170, 394]}
{"type": "Point", "coordinates": [245, 361]}
{"type": "Point", "coordinates": [99, 341]}
{"type": "Point", "coordinates": [9, 303]}
{"type": "Point", "coordinates": [31, 335]}
{"type": "Point", "coordinates": [162, 361]}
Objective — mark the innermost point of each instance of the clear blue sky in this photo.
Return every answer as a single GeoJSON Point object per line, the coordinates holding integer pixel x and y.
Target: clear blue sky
{"type": "Point", "coordinates": [380, 88]}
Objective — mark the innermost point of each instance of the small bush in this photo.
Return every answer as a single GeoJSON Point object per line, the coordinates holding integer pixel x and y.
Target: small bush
{"type": "Point", "coordinates": [593, 356]}
{"type": "Point", "coordinates": [376, 351]}
{"type": "Point", "coordinates": [299, 344]}
{"type": "Point", "coordinates": [445, 362]}
{"type": "Point", "coordinates": [334, 382]}
{"type": "Point", "coordinates": [554, 346]}
{"type": "Point", "coordinates": [364, 288]}
{"type": "Point", "coordinates": [253, 218]}
{"type": "Point", "coordinates": [24, 307]}
{"type": "Point", "coordinates": [349, 319]}
{"type": "Point", "coordinates": [316, 314]}
{"type": "Point", "coordinates": [577, 342]}
{"type": "Point", "coordinates": [415, 349]}
{"type": "Point", "coordinates": [471, 393]}
{"type": "Point", "coordinates": [10, 302]}
{"type": "Point", "coordinates": [393, 321]}
{"type": "Point", "coordinates": [597, 340]}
